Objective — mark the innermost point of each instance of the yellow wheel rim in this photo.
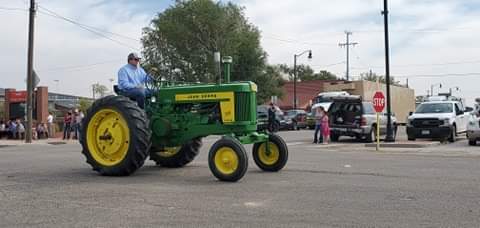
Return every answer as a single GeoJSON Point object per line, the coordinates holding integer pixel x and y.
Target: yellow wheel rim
{"type": "Point", "coordinates": [108, 137]}
{"type": "Point", "coordinates": [169, 151]}
{"type": "Point", "coordinates": [271, 157]}
{"type": "Point", "coordinates": [226, 160]}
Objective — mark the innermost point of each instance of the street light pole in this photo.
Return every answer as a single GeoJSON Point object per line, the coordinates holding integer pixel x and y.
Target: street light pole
{"type": "Point", "coordinates": [295, 75]}
{"type": "Point", "coordinates": [389, 137]}
{"type": "Point", "coordinates": [434, 85]}
{"type": "Point", "coordinates": [294, 82]}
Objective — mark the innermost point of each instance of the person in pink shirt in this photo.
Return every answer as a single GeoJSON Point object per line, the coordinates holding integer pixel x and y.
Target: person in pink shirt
{"type": "Point", "coordinates": [325, 126]}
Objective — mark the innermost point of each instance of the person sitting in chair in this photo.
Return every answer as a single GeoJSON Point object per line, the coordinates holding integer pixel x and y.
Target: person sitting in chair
{"type": "Point", "coordinates": [132, 79]}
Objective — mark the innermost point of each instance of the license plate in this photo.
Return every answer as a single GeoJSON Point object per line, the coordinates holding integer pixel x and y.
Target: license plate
{"type": "Point", "coordinates": [425, 132]}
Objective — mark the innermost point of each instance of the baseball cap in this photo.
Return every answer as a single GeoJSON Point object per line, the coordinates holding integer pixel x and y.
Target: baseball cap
{"type": "Point", "coordinates": [133, 55]}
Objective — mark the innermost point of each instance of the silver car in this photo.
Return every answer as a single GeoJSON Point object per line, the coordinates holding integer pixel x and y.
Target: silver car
{"type": "Point", "coordinates": [350, 116]}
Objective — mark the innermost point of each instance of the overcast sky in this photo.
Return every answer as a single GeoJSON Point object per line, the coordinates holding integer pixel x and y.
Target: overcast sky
{"type": "Point", "coordinates": [436, 38]}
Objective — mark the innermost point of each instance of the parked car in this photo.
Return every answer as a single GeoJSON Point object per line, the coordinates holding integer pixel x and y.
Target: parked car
{"type": "Point", "coordinates": [437, 120]}
{"type": "Point", "coordinates": [350, 116]}
{"type": "Point", "coordinates": [473, 128]}
{"type": "Point", "coordinates": [262, 119]}
{"type": "Point", "coordinates": [311, 115]}
{"type": "Point", "coordinates": [296, 119]}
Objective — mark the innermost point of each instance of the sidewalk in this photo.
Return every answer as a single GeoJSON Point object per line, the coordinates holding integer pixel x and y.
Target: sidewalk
{"type": "Point", "coordinates": [50, 141]}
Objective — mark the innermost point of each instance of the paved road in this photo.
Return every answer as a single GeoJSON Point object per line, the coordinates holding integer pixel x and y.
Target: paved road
{"type": "Point", "coordinates": [339, 185]}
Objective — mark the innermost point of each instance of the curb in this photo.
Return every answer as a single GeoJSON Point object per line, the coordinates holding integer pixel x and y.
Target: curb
{"type": "Point", "coordinates": [404, 145]}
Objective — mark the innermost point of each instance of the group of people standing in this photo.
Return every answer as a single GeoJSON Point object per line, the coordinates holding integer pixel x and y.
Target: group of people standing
{"type": "Point", "coordinates": [322, 126]}
{"type": "Point", "coordinates": [72, 122]}
{"type": "Point", "coordinates": [12, 129]}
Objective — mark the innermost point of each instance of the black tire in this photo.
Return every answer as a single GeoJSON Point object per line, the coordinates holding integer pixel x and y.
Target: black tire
{"type": "Point", "coordinates": [472, 142]}
{"type": "Point", "coordinates": [295, 126]}
{"type": "Point", "coordinates": [370, 137]}
{"type": "Point", "coordinates": [453, 135]}
{"type": "Point", "coordinates": [277, 163]}
{"type": "Point", "coordinates": [334, 137]}
{"type": "Point", "coordinates": [394, 133]}
{"type": "Point", "coordinates": [185, 155]}
{"type": "Point", "coordinates": [137, 127]}
{"type": "Point", "coordinates": [241, 158]}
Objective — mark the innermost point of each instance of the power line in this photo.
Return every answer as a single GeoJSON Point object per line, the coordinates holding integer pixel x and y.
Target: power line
{"type": "Point", "coordinates": [295, 41]}
{"type": "Point", "coordinates": [78, 66]}
{"type": "Point", "coordinates": [440, 75]}
{"type": "Point", "coordinates": [12, 9]}
{"type": "Point", "coordinates": [55, 15]}
{"type": "Point", "coordinates": [424, 65]}
{"type": "Point", "coordinates": [91, 27]}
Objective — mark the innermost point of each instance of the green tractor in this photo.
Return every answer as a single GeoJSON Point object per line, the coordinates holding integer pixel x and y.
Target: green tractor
{"type": "Point", "coordinates": [118, 136]}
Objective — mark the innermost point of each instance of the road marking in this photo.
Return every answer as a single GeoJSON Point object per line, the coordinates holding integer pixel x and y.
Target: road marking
{"type": "Point", "coordinates": [347, 166]}
{"type": "Point", "coordinates": [253, 204]}
{"type": "Point", "coordinates": [295, 143]}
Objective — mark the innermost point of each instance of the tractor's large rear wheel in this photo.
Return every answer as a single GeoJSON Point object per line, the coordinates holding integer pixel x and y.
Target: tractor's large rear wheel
{"type": "Point", "coordinates": [115, 136]}
{"type": "Point", "coordinates": [175, 157]}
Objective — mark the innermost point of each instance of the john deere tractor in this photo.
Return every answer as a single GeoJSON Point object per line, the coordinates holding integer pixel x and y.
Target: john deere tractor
{"type": "Point", "coordinates": [118, 136]}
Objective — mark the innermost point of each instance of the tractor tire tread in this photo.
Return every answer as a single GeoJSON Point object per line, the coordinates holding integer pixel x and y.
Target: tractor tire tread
{"type": "Point", "coordinates": [139, 130]}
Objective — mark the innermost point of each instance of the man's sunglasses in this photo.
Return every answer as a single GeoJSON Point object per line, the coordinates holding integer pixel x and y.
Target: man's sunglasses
{"type": "Point", "coordinates": [135, 59]}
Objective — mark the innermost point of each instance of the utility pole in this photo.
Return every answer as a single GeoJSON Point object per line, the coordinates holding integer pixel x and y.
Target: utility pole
{"type": "Point", "coordinates": [348, 44]}
{"type": "Point", "coordinates": [389, 137]}
{"type": "Point", "coordinates": [31, 26]}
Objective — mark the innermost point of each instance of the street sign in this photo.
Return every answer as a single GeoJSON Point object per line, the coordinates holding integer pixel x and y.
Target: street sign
{"type": "Point", "coordinates": [379, 101]}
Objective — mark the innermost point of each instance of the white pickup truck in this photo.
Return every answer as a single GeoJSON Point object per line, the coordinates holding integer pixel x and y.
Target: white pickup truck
{"type": "Point", "coordinates": [437, 120]}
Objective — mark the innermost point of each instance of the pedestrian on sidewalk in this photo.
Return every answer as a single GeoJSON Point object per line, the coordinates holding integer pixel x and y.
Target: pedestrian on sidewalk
{"type": "Point", "coordinates": [78, 117]}
{"type": "Point", "coordinates": [20, 129]}
{"type": "Point", "coordinates": [318, 125]}
{"type": "Point", "coordinates": [67, 125]}
{"type": "Point", "coordinates": [325, 127]}
{"type": "Point", "coordinates": [3, 129]}
{"type": "Point", "coordinates": [50, 126]}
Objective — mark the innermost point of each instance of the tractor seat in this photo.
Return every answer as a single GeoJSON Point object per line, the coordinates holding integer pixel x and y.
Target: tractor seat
{"type": "Point", "coordinates": [116, 89]}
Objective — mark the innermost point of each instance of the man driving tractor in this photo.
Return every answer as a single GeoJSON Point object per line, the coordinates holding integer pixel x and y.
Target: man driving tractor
{"type": "Point", "coordinates": [132, 79]}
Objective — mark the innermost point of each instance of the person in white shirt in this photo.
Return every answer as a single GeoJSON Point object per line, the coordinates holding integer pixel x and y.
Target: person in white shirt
{"type": "Point", "coordinates": [51, 129]}
{"type": "Point", "coordinates": [2, 129]}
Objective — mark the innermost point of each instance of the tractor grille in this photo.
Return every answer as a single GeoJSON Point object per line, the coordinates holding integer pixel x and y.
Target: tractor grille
{"type": "Point", "coordinates": [242, 106]}
{"type": "Point", "coordinates": [426, 122]}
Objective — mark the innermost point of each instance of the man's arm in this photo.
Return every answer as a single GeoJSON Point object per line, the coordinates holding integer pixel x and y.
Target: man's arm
{"type": "Point", "coordinates": [123, 81]}
{"type": "Point", "coordinates": [146, 77]}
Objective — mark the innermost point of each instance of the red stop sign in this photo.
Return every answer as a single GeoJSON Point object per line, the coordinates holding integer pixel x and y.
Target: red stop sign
{"type": "Point", "coordinates": [379, 101]}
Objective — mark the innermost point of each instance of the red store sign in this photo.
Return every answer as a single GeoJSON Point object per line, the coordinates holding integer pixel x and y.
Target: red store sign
{"type": "Point", "coordinates": [16, 96]}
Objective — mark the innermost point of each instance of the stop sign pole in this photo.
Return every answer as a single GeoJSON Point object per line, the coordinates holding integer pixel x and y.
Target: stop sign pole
{"type": "Point", "coordinates": [379, 105]}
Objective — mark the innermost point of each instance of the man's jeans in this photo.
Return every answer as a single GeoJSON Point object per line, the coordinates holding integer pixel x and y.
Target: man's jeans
{"type": "Point", "coordinates": [137, 94]}
{"type": "Point", "coordinates": [318, 129]}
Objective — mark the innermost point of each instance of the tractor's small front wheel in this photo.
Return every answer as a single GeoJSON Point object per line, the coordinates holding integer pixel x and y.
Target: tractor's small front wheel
{"type": "Point", "coordinates": [272, 158]}
{"type": "Point", "coordinates": [228, 160]}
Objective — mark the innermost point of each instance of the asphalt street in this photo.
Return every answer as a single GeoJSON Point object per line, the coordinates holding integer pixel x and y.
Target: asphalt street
{"type": "Point", "coordinates": [337, 185]}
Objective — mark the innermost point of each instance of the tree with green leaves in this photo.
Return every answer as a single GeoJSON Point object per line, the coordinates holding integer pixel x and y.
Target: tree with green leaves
{"type": "Point", "coordinates": [181, 41]}
{"type": "Point", "coordinates": [99, 89]}
{"type": "Point", "coordinates": [373, 77]}
{"type": "Point", "coordinates": [306, 73]}
{"type": "Point", "coordinates": [2, 110]}
{"type": "Point", "coordinates": [84, 104]}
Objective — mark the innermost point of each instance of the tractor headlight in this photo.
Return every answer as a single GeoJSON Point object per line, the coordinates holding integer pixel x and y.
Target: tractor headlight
{"type": "Point", "coordinates": [153, 99]}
